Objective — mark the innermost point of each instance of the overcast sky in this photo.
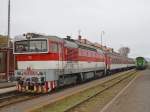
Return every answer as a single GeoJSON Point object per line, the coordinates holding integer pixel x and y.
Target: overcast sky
{"type": "Point", "coordinates": [125, 22]}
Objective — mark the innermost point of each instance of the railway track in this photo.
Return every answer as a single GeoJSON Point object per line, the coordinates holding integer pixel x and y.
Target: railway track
{"type": "Point", "coordinates": [7, 86]}
{"type": "Point", "coordinates": [8, 95]}
{"type": "Point", "coordinates": [78, 98]}
{"type": "Point", "coordinates": [106, 85]}
{"type": "Point", "coordinates": [15, 97]}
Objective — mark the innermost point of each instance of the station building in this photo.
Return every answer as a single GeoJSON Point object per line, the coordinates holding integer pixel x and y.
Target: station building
{"type": "Point", "coordinates": [7, 59]}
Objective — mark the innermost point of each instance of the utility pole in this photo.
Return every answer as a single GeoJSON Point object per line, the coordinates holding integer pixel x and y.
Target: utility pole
{"type": "Point", "coordinates": [102, 33]}
{"type": "Point", "coordinates": [8, 33]}
{"type": "Point", "coordinates": [79, 32]}
{"type": "Point", "coordinates": [8, 38]}
{"type": "Point", "coordinates": [79, 35]}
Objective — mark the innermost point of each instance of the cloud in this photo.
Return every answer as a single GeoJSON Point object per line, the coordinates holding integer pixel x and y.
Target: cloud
{"type": "Point", "coordinates": [126, 23]}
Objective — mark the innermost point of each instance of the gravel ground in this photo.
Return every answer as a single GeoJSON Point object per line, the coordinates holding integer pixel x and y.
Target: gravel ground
{"type": "Point", "coordinates": [136, 98]}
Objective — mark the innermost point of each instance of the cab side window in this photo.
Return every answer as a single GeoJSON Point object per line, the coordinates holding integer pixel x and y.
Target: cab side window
{"type": "Point", "coordinates": [53, 47]}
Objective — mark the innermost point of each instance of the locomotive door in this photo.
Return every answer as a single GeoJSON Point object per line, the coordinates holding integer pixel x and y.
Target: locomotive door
{"type": "Point", "coordinates": [69, 59]}
{"type": "Point", "coordinates": [107, 63]}
{"type": "Point", "coordinates": [72, 60]}
{"type": "Point", "coordinates": [69, 55]}
{"type": "Point", "coordinates": [60, 58]}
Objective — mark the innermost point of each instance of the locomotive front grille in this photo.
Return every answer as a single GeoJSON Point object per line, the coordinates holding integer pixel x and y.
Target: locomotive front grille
{"type": "Point", "coordinates": [31, 87]}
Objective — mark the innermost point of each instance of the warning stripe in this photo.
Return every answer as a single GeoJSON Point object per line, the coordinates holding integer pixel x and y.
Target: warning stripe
{"type": "Point", "coordinates": [49, 85]}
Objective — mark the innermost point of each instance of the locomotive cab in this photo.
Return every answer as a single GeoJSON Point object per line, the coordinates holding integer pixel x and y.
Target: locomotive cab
{"type": "Point", "coordinates": [38, 62]}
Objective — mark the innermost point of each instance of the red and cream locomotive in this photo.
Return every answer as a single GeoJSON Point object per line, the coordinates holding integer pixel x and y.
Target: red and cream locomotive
{"type": "Point", "coordinates": [47, 62]}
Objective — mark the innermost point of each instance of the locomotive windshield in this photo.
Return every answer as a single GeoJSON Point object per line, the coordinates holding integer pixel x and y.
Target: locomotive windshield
{"type": "Point", "coordinates": [26, 46]}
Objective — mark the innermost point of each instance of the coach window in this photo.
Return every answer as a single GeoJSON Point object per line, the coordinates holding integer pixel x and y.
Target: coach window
{"type": "Point", "coordinates": [53, 47]}
{"type": "Point", "coordinates": [30, 46]}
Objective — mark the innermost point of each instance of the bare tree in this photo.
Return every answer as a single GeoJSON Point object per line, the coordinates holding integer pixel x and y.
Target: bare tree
{"type": "Point", "coordinates": [124, 51]}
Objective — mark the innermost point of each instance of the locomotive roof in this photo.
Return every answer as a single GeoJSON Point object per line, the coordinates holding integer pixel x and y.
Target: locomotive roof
{"type": "Point", "coordinates": [69, 42]}
{"type": "Point", "coordinates": [79, 43]}
{"type": "Point", "coordinates": [85, 45]}
{"type": "Point", "coordinates": [53, 38]}
{"type": "Point", "coordinates": [38, 36]}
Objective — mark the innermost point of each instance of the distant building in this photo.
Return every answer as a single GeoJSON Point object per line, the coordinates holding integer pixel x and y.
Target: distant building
{"type": "Point", "coordinates": [124, 51]}
{"type": "Point", "coordinates": [7, 59]}
{"type": "Point", "coordinates": [4, 41]}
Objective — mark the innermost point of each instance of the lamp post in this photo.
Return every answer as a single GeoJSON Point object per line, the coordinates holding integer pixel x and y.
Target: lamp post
{"type": "Point", "coordinates": [8, 33]}
{"type": "Point", "coordinates": [8, 38]}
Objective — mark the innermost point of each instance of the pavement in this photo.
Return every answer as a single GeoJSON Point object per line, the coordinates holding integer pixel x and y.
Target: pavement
{"type": "Point", "coordinates": [7, 84]}
{"type": "Point", "coordinates": [7, 90]}
{"type": "Point", "coordinates": [136, 98]}
{"type": "Point", "coordinates": [6, 87]}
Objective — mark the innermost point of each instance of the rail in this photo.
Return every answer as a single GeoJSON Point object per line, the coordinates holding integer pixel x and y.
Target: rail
{"type": "Point", "coordinates": [106, 85]}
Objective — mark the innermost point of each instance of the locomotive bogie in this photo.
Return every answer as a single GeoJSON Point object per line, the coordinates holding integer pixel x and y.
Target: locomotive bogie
{"type": "Point", "coordinates": [67, 79]}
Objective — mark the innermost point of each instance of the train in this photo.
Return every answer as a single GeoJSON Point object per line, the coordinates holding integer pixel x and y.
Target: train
{"type": "Point", "coordinates": [45, 63]}
{"type": "Point", "coordinates": [141, 63]}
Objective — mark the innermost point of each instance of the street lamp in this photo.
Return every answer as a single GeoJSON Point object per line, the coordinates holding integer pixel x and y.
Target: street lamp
{"type": "Point", "coordinates": [8, 33]}
{"type": "Point", "coordinates": [8, 38]}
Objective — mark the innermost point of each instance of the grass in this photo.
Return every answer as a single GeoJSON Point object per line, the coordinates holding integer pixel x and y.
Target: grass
{"type": "Point", "coordinates": [62, 105]}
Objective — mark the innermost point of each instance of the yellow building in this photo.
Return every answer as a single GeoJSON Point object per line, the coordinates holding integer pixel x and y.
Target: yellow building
{"type": "Point", "coordinates": [4, 41]}
{"type": "Point", "coordinates": [7, 62]}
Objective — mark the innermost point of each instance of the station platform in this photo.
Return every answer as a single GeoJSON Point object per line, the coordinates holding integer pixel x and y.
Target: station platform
{"type": "Point", "coordinates": [135, 98]}
{"type": "Point", "coordinates": [7, 84]}
{"type": "Point", "coordinates": [6, 87]}
{"type": "Point", "coordinates": [7, 90]}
